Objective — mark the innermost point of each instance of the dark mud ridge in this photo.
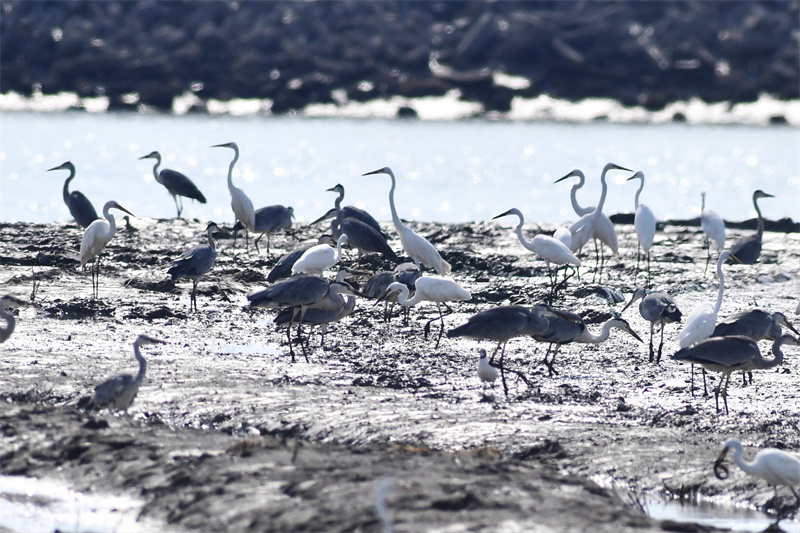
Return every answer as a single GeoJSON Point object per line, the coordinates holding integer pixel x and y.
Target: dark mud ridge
{"type": "Point", "coordinates": [299, 53]}
{"type": "Point", "coordinates": [380, 426]}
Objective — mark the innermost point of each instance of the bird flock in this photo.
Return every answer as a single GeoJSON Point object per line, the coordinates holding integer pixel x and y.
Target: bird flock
{"type": "Point", "coordinates": [299, 290]}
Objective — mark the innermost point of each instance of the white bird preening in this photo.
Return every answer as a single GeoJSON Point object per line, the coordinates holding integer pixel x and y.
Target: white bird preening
{"type": "Point", "coordinates": [119, 392]}
{"type": "Point", "coordinates": [95, 238]}
{"type": "Point", "coordinates": [241, 204]}
{"type": "Point", "coordinates": [433, 289]}
{"type": "Point", "coordinates": [644, 223]}
{"type": "Point", "coordinates": [8, 302]}
{"type": "Point", "coordinates": [417, 247]}
{"type": "Point", "coordinates": [713, 226]}
{"type": "Point", "coordinates": [486, 372]}
{"type": "Point", "coordinates": [776, 467]}
{"type": "Point", "coordinates": [550, 249]}
{"type": "Point", "coordinates": [319, 258]}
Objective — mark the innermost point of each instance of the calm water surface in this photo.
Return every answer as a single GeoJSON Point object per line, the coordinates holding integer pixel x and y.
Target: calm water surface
{"type": "Point", "coordinates": [449, 171]}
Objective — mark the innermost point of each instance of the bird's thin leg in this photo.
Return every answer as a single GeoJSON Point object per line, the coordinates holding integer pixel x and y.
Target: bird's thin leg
{"type": "Point", "coordinates": [268, 239]}
{"type": "Point", "coordinates": [177, 207]}
{"type": "Point", "coordinates": [255, 241]}
{"type": "Point", "coordinates": [797, 505]}
{"type": "Point", "coordinates": [692, 387]}
{"type": "Point", "coordinates": [660, 345]}
{"type": "Point", "coordinates": [705, 388]}
{"type": "Point", "coordinates": [503, 372]}
{"type": "Point", "coordinates": [596, 260]}
{"type": "Point", "coordinates": [708, 256]}
{"type": "Point", "coordinates": [193, 299]}
{"type": "Point", "coordinates": [648, 270]}
{"type": "Point", "coordinates": [491, 359]}
{"type": "Point", "coordinates": [299, 325]}
{"type": "Point", "coordinates": [725, 392]}
{"type": "Point", "coordinates": [652, 354]}
{"type": "Point", "coordinates": [289, 332]}
{"type": "Point", "coordinates": [638, 253]}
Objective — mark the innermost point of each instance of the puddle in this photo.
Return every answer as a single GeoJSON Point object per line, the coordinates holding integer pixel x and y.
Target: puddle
{"type": "Point", "coordinates": [33, 505]}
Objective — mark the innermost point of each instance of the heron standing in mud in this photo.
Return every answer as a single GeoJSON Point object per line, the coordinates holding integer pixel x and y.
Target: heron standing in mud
{"type": "Point", "coordinates": [119, 392]}
{"type": "Point", "coordinates": [79, 206]}
{"type": "Point", "coordinates": [195, 263]}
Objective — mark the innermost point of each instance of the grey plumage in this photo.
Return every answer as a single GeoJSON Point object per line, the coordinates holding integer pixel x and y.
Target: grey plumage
{"type": "Point", "coordinates": [8, 302]}
{"type": "Point", "coordinates": [283, 268]}
{"type": "Point", "coordinates": [755, 324]}
{"type": "Point", "coordinates": [748, 249]}
{"type": "Point", "coordinates": [119, 392]}
{"type": "Point", "coordinates": [658, 308]}
{"type": "Point", "coordinates": [177, 184]}
{"type": "Point", "coordinates": [319, 317]}
{"type": "Point", "coordinates": [269, 220]}
{"type": "Point", "coordinates": [79, 206]}
{"type": "Point", "coordinates": [361, 236]}
{"type": "Point", "coordinates": [376, 286]}
{"type": "Point", "coordinates": [351, 211]}
{"type": "Point", "coordinates": [195, 263]}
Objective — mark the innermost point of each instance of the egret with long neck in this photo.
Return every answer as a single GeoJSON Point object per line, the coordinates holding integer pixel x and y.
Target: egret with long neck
{"type": "Point", "coordinates": [241, 204]}
{"type": "Point", "coordinates": [644, 223]}
{"type": "Point", "coordinates": [95, 238]}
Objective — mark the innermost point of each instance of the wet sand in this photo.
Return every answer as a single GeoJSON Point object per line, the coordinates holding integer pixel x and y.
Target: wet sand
{"type": "Point", "coordinates": [227, 434]}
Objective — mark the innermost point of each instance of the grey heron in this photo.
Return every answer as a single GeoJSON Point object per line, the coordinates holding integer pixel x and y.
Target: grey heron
{"type": "Point", "coordinates": [268, 220]}
{"type": "Point", "coordinates": [351, 211]}
{"type": "Point", "coordinates": [195, 263]}
{"type": "Point", "coordinates": [177, 184]}
{"type": "Point", "coordinates": [119, 392]}
{"type": "Point", "coordinates": [644, 223]}
{"type": "Point", "coordinates": [713, 226]}
{"type": "Point", "coordinates": [319, 258]}
{"type": "Point", "coordinates": [550, 249]}
{"type": "Point", "coordinates": [432, 289]}
{"type": "Point", "coordinates": [417, 247]}
{"type": "Point", "coordinates": [748, 249]}
{"type": "Point", "coordinates": [79, 206]}
{"type": "Point", "coordinates": [95, 238]}
{"type": "Point", "coordinates": [241, 204]}
{"type": "Point", "coordinates": [658, 308]}
{"type": "Point", "coordinates": [9, 302]}
{"type": "Point", "coordinates": [776, 467]}
{"type": "Point", "coordinates": [361, 236]}
{"type": "Point", "coordinates": [565, 326]}
{"type": "Point", "coordinates": [728, 354]}
{"type": "Point", "coordinates": [406, 273]}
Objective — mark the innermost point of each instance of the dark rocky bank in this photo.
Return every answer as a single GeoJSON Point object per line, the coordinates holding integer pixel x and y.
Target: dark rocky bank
{"type": "Point", "coordinates": [298, 53]}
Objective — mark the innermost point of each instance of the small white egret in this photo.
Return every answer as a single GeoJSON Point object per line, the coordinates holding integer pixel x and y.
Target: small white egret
{"type": "Point", "coordinates": [177, 184]}
{"type": "Point", "coordinates": [79, 206]}
{"type": "Point", "coordinates": [748, 249]}
{"type": "Point", "coordinates": [713, 226]}
{"type": "Point", "coordinates": [97, 235]}
{"type": "Point", "coordinates": [776, 467]}
{"type": "Point", "coordinates": [8, 302]}
{"type": "Point", "coordinates": [319, 258]}
{"type": "Point", "coordinates": [644, 222]}
{"type": "Point", "coordinates": [119, 392]}
{"type": "Point", "coordinates": [241, 204]}
{"type": "Point", "coordinates": [550, 249]}
{"type": "Point", "coordinates": [486, 372]}
{"type": "Point", "coordinates": [417, 247]}
{"type": "Point", "coordinates": [432, 289]}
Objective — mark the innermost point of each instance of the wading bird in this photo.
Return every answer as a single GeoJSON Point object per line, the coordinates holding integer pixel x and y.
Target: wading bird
{"type": "Point", "coordinates": [97, 235]}
{"type": "Point", "coordinates": [748, 249]}
{"type": "Point", "coordinates": [351, 211]}
{"type": "Point", "coordinates": [283, 268]}
{"type": "Point", "coordinates": [593, 224]}
{"type": "Point", "coordinates": [658, 308]}
{"type": "Point", "coordinates": [604, 228]}
{"type": "Point", "coordinates": [376, 285]}
{"type": "Point", "coordinates": [713, 226]}
{"type": "Point", "coordinates": [119, 392]}
{"type": "Point", "coordinates": [241, 204]}
{"type": "Point", "coordinates": [79, 206]}
{"type": "Point", "coordinates": [361, 236]}
{"type": "Point", "coordinates": [432, 289]}
{"type": "Point", "coordinates": [644, 223]}
{"type": "Point", "coordinates": [319, 258]}
{"type": "Point", "coordinates": [195, 263]}
{"type": "Point", "coordinates": [564, 327]}
{"type": "Point", "coordinates": [550, 249]}
{"type": "Point", "coordinates": [486, 372]}
{"type": "Point", "coordinates": [776, 467]}
{"type": "Point", "coordinates": [729, 354]}
{"type": "Point", "coordinates": [417, 247]}
{"type": "Point", "coordinates": [177, 184]}
{"type": "Point", "coordinates": [9, 302]}
{"type": "Point", "coordinates": [268, 220]}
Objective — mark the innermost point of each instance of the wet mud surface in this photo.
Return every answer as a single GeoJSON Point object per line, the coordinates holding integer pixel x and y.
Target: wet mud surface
{"type": "Point", "coordinates": [227, 434]}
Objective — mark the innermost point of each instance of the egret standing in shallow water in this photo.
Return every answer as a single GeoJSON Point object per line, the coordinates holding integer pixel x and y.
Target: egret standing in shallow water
{"type": "Point", "coordinates": [79, 206]}
{"type": "Point", "coordinates": [644, 222]}
{"type": "Point", "coordinates": [8, 302]}
{"type": "Point", "coordinates": [657, 308]}
{"type": "Point", "coordinates": [416, 246]}
{"type": "Point", "coordinates": [241, 204]}
{"type": "Point", "coordinates": [748, 249]}
{"type": "Point", "coordinates": [97, 235]}
{"type": "Point", "coordinates": [177, 184]}
{"type": "Point", "coordinates": [713, 226]}
{"type": "Point", "coordinates": [119, 392]}
{"type": "Point", "coordinates": [432, 289]}
{"type": "Point", "coordinates": [776, 467]}
{"type": "Point", "coordinates": [550, 249]}
{"type": "Point", "coordinates": [195, 263]}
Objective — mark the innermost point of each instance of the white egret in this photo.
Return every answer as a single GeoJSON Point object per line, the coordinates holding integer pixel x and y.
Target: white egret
{"type": "Point", "coordinates": [748, 249]}
{"type": "Point", "coordinates": [241, 204]}
{"type": "Point", "coordinates": [177, 184]}
{"type": "Point", "coordinates": [79, 206]}
{"type": "Point", "coordinates": [97, 235]}
{"type": "Point", "coordinates": [195, 263]}
{"type": "Point", "coordinates": [8, 302]}
{"type": "Point", "coordinates": [776, 467]}
{"type": "Point", "coordinates": [713, 226]}
{"type": "Point", "coordinates": [433, 289]}
{"type": "Point", "coordinates": [550, 249]}
{"type": "Point", "coordinates": [319, 258]}
{"type": "Point", "coordinates": [119, 392]}
{"type": "Point", "coordinates": [417, 247]}
{"type": "Point", "coordinates": [658, 308]}
{"type": "Point", "coordinates": [644, 223]}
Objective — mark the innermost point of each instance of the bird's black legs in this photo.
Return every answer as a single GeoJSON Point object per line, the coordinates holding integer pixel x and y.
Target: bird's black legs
{"type": "Point", "coordinates": [178, 207]}
{"type": "Point", "coordinates": [491, 359]}
{"type": "Point", "coordinates": [660, 345]}
{"type": "Point", "coordinates": [441, 316]}
{"type": "Point", "coordinates": [549, 364]}
{"type": "Point", "coordinates": [193, 297]}
{"type": "Point", "coordinates": [708, 256]}
{"type": "Point", "coordinates": [255, 241]}
{"type": "Point", "coordinates": [652, 354]}
{"type": "Point", "coordinates": [649, 284]}
{"type": "Point", "coordinates": [95, 272]}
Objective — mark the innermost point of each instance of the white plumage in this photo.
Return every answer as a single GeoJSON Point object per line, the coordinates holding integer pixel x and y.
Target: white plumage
{"type": "Point", "coordinates": [703, 318]}
{"type": "Point", "coordinates": [319, 258]}
{"type": "Point", "coordinates": [241, 204]}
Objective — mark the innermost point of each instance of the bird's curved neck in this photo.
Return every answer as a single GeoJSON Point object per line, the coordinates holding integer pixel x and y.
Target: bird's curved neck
{"type": "Point", "coordinates": [111, 220]}
{"type": "Point", "coordinates": [338, 203]}
{"type": "Point", "coordinates": [526, 243]}
{"type": "Point", "coordinates": [721, 289]}
{"type": "Point", "coordinates": [573, 196]}
{"type": "Point", "coordinates": [398, 224]}
{"type": "Point", "coordinates": [638, 192]}
{"type": "Point", "coordinates": [590, 337]}
{"type": "Point", "coordinates": [142, 363]}
{"type": "Point", "coordinates": [338, 255]}
{"type": "Point", "coordinates": [11, 322]}
{"type": "Point", "coordinates": [230, 169]}
{"type": "Point", "coordinates": [760, 226]}
{"type": "Point", "coordinates": [403, 298]}
{"type": "Point", "coordinates": [211, 238]}
{"type": "Point", "coordinates": [599, 208]}
{"type": "Point", "coordinates": [155, 169]}
{"type": "Point", "coordinates": [739, 460]}
{"type": "Point", "coordinates": [777, 355]}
